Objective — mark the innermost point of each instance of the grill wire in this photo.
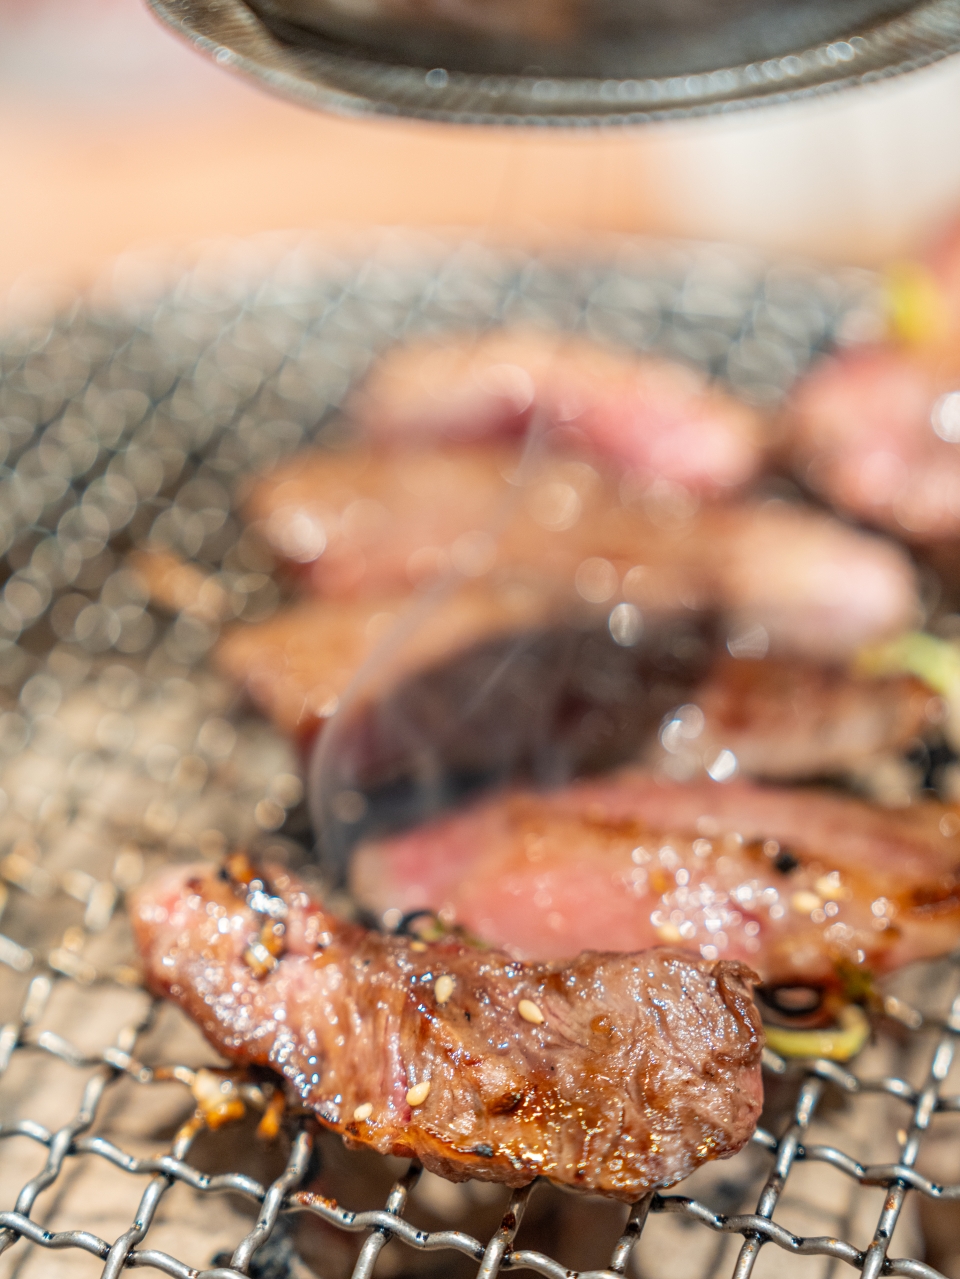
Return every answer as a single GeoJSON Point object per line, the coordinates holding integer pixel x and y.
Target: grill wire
{"type": "Point", "coordinates": [131, 416]}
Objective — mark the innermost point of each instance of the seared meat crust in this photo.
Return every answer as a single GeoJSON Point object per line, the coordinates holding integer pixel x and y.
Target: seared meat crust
{"type": "Point", "coordinates": [610, 1074]}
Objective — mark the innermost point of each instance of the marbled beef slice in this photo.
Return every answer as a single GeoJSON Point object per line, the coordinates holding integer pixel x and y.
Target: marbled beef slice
{"type": "Point", "coordinates": [612, 1073]}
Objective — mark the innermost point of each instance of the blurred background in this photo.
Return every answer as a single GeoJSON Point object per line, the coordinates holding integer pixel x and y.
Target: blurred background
{"type": "Point", "coordinates": [113, 135]}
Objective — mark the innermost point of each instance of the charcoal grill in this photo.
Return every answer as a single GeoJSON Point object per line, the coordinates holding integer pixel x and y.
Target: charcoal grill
{"type": "Point", "coordinates": [131, 415]}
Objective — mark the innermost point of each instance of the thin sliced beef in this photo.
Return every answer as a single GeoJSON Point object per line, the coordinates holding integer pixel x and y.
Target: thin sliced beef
{"type": "Point", "coordinates": [792, 720]}
{"type": "Point", "coordinates": [490, 680]}
{"type": "Point", "coordinates": [611, 1074]}
{"type": "Point", "coordinates": [808, 886]}
{"type": "Point", "coordinates": [379, 524]}
{"type": "Point", "coordinates": [655, 417]}
{"type": "Point", "coordinates": [875, 430]}
{"type": "Point", "coordinates": [782, 718]}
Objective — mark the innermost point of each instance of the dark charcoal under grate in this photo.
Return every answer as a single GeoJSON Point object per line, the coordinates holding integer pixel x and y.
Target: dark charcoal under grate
{"type": "Point", "coordinates": [133, 416]}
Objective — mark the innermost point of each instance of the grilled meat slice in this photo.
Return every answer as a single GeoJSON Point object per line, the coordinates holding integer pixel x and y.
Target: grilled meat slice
{"type": "Point", "coordinates": [807, 886]}
{"type": "Point", "coordinates": [370, 522]}
{"type": "Point", "coordinates": [362, 523]}
{"type": "Point", "coordinates": [491, 681]}
{"type": "Point", "coordinates": [781, 718]}
{"type": "Point", "coordinates": [791, 720]}
{"type": "Point", "coordinates": [875, 431]}
{"type": "Point", "coordinates": [611, 1074]}
{"type": "Point", "coordinates": [658, 418]}
{"type": "Point", "coordinates": [298, 664]}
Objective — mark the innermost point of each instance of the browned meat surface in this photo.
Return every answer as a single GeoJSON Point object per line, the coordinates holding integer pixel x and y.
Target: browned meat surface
{"type": "Point", "coordinates": [808, 886]}
{"type": "Point", "coordinates": [789, 720]}
{"type": "Point", "coordinates": [657, 418]}
{"type": "Point", "coordinates": [611, 1074]}
{"type": "Point", "coordinates": [378, 524]}
{"type": "Point", "coordinates": [488, 679]}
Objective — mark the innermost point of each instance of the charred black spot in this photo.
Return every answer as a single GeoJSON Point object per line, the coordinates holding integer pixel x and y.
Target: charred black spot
{"type": "Point", "coordinates": [224, 875]}
{"type": "Point", "coordinates": [484, 1149]}
{"type": "Point", "coordinates": [785, 861]}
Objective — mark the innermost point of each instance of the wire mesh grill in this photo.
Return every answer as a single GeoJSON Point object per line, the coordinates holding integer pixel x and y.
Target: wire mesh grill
{"type": "Point", "coordinates": [133, 416]}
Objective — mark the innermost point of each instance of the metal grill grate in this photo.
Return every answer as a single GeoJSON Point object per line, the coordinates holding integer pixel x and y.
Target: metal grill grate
{"type": "Point", "coordinates": [133, 416]}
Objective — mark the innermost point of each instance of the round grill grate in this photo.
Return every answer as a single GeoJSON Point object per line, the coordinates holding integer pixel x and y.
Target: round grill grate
{"type": "Point", "coordinates": [133, 416]}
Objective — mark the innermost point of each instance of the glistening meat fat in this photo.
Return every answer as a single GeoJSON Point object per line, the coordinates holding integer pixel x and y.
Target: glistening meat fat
{"type": "Point", "coordinates": [810, 887]}
{"type": "Point", "coordinates": [610, 1073]}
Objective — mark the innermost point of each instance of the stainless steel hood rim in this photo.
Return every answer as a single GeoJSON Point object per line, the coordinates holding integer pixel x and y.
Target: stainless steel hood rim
{"type": "Point", "coordinates": [346, 84]}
